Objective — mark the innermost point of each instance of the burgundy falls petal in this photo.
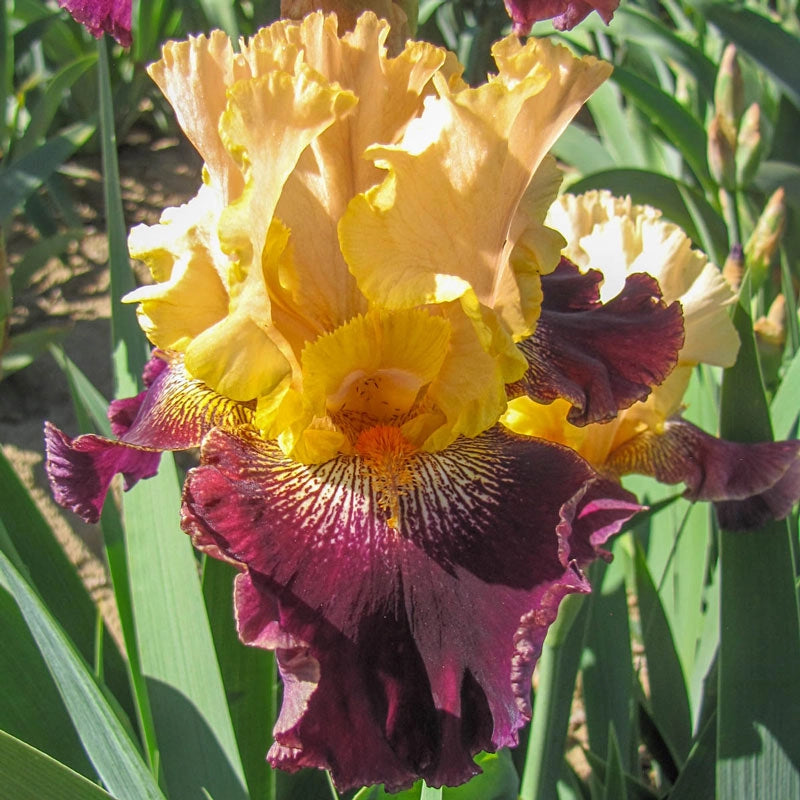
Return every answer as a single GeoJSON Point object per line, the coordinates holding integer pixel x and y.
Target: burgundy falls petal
{"type": "Point", "coordinates": [103, 16]}
{"type": "Point", "coordinates": [172, 413]}
{"type": "Point", "coordinates": [749, 484]}
{"type": "Point", "coordinates": [601, 357]}
{"type": "Point", "coordinates": [407, 616]}
{"type": "Point", "coordinates": [566, 14]}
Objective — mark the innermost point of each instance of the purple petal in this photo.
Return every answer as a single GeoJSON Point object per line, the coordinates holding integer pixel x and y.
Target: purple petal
{"type": "Point", "coordinates": [103, 16]}
{"type": "Point", "coordinates": [749, 483]}
{"type": "Point", "coordinates": [599, 357]}
{"type": "Point", "coordinates": [173, 413]}
{"type": "Point", "coordinates": [566, 14]}
{"type": "Point", "coordinates": [406, 639]}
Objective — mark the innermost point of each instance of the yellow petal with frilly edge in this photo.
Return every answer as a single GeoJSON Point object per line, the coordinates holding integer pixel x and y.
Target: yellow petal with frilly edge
{"type": "Point", "coordinates": [444, 218]}
{"type": "Point", "coordinates": [268, 122]}
{"type": "Point", "coordinates": [183, 255]}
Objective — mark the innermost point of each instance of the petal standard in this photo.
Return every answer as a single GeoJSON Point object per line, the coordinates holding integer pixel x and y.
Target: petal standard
{"type": "Point", "coordinates": [173, 413]}
{"type": "Point", "coordinates": [410, 628]}
{"type": "Point", "coordinates": [443, 222]}
{"type": "Point", "coordinates": [599, 357]}
{"type": "Point", "coordinates": [749, 483]}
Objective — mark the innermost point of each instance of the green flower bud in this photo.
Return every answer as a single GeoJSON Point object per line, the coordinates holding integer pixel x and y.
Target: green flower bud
{"type": "Point", "coordinates": [721, 150]}
{"type": "Point", "coordinates": [729, 88]}
{"type": "Point", "coordinates": [763, 243]}
{"type": "Point", "coordinates": [749, 146]}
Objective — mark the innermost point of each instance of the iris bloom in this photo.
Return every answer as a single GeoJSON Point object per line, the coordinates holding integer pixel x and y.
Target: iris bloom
{"type": "Point", "coordinates": [338, 315]}
{"type": "Point", "coordinates": [749, 483]}
{"type": "Point", "coordinates": [103, 16]}
{"type": "Point", "coordinates": [566, 14]}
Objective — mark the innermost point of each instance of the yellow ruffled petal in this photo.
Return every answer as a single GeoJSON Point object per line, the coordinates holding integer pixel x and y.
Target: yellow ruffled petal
{"type": "Point", "coordinates": [183, 254]}
{"type": "Point", "coordinates": [332, 170]}
{"type": "Point", "coordinates": [269, 121]}
{"type": "Point", "coordinates": [194, 76]}
{"type": "Point", "coordinates": [441, 222]}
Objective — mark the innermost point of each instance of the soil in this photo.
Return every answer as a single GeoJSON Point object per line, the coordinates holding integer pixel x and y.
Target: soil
{"type": "Point", "coordinates": [73, 291]}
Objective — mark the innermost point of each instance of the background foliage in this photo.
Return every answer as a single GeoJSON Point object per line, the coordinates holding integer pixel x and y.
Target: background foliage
{"type": "Point", "coordinates": [684, 662]}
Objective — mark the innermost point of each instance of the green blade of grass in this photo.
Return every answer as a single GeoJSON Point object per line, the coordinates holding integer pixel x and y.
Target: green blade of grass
{"type": "Point", "coordinates": [30, 705]}
{"type": "Point", "coordinates": [582, 150]}
{"type": "Point", "coordinates": [19, 179]}
{"type": "Point", "coordinates": [758, 739]}
{"type": "Point", "coordinates": [55, 578]}
{"type": "Point", "coordinates": [669, 699]}
{"type": "Point", "coordinates": [193, 725]}
{"type": "Point", "coordinates": [785, 408]}
{"type": "Point", "coordinates": [606, 665]}
{"type": "Point", "coordinates": [558, 667]}
{"type": "Point", "coordinates": [636, 24]}
{"type": "Point", "coordinates": [112, 753]}
{"type": "Point", "coordinates": [46, 107]}
{"type": "Point", "coordinates": [28, 774]}
{"type": "Point", "coordinates": [250, 678]}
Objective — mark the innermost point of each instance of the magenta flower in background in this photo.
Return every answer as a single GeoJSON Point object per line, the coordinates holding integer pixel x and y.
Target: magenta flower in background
{"type": "Point", "coordinates": [566, 14]}
{"type": "Point", "coordinates": [103, 16]}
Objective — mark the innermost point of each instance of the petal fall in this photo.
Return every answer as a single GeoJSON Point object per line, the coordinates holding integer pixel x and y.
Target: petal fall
{"type": "Point", "coordinates": [599, 357]}
{"type": "Point", "coordinates": [750, 483]}
{"type": "Point", "coordinates": [173, 413]}
{"type": "Point", "coordinates": [359, 599]}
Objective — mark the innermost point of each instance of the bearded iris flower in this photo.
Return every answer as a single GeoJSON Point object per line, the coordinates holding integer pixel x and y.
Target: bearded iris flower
{"type": "Point", "coordinates": [566, 14]}
{"type": "Point", "coordinates": [340, 315]}
{"type": "Point", "coordinates": [748, 483]}
{"type": "Point", "coordinates": [103, 16]}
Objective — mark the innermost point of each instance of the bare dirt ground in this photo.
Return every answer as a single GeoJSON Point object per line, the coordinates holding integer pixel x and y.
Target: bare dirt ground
{"type": "Point", "coordinates": [74, 291]}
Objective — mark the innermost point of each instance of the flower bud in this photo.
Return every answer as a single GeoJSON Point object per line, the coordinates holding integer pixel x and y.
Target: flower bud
{"type": "Point", "coordinates": [733, 269]}
{"type": "Point", "coordinates": [721, 149]}
{"type": "Point", "coordinates": [763, 243]}
{"type": "Point", "coordinates": [729, 88]}
{"type": "Point", "coordinates": [749, 146]}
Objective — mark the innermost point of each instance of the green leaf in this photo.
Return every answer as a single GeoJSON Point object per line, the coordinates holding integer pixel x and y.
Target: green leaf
{"type": "Point", "coordinates": [37, 255]}
{"type": "Point", "coordinates": [680, 203]}
{"type": "Point", "coordinates": [582, 150]}
{"type": "Point", "coordinates": [112, 753]}
{"type": "Point", "coordinates": [680, 127]}
{"type": "Point", "coordinates": [499, 780]}
{"type": "Point", "coordinates": [28, 774]}
{"type": "Point", "coordinates": [30, 705]}
{"type": "Point", "coordinates": [88, 401]}
{"type": "Point", "coordinates": [785, 408]}
{"type": "Point", "coordinates": [24, 348]}
{"type": "Point", "coordinates": [669, 700]}
{"type": "Point", "coordinates": [558, 668]}
{"type": "Point", "coordinates": [775, 49]}
{"type": "Point", "coordinates": [193, 724]}
{"type": "Point", "coordinates": [614, 786]}
{"type": "Point", "coordinates": [606, 664]}
{"type": "Point", "coordinates": [250, 678]}
{"type": "Point", "coordinates": [758, 742]}
{"type": "Point", "coordinates": [697, 778]}
{"type": "Point", "coordinates": [43, 113]}
{"type": "Point", "coordinates": [55, 578]}
{"type": "Point", "coordinates": [633, 23]}
{"type": "Point", "coordinates": [19, 179]}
